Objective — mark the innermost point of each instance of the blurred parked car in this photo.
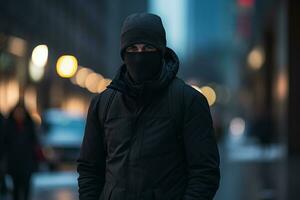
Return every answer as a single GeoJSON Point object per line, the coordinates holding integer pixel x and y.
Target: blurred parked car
{"type": "Point", "coordinates": [61, 140]}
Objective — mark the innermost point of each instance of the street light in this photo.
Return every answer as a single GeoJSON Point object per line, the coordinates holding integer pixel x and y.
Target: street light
{"type": "Point", "coordinates": [39, 55]}
{"type": "Point", "coordinates": [66, 66]}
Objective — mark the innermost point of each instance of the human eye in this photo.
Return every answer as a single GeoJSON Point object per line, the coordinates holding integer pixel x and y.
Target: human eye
{"type": "Point", "coordinates": [131, 49]}
{"type": "Point", "coordinates": [150, 48]}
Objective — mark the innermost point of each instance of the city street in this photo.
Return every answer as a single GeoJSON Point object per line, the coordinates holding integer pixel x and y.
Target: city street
{"type": "Point", "coordinates": [247, 172]}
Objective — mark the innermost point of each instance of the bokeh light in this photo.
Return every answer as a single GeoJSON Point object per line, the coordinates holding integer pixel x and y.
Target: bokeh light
{"type": "Point", "coordinates": [66, 66]}
{"type": "Point", "coordinates": [81, 76]}
{"type": "Point", "coordinates": [237, 127]}
{"type": "Point", "coordinates": [210, 94]}
{"type": "Point", "coordinates": [17, 46]}
{"type": "Point", "coordinates": [256, 58]}
{"type": "Point", "coordinates": [92, 81]}
{"type": "Point", "coordinates": [9, 95]}
{"type": "Point", "coordinates": [30, 98]}
{"type": "Point", "coordinates": [36, 73]}
{"type": "Point", "coordinates": [103, 84]}
{"type": "Point", "coordinates": [36, 117]}
{"type": "Point", "coordinates": [39, 55]}
{"type": "Point", "coordinates": [282, 86]}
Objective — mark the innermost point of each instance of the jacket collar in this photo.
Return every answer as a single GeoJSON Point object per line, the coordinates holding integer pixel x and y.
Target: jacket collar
{"type": "Point", "coordinates": [123, 84]}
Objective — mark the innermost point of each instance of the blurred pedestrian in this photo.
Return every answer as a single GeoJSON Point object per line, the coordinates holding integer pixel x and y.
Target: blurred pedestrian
{"type": "Point", "coordinates": [1, 135]}
{"type": "Point", "coordinates": [149, 135]}
{"type": "Point", "coordinates": [21, 144]}
{"type": "Point", "coordinates": [2, 161]}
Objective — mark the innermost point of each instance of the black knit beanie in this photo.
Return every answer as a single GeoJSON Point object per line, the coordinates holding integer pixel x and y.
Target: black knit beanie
{"type": "Point", "coordinates": [143, 28]}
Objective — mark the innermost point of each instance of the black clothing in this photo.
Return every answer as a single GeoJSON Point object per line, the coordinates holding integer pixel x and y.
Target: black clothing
{"type": "Point", "coordinates": [143, 28]}
{"type": "Point", "coordinates": [2, 162]}
{"type": "Point", "coordinates": [123, 83]}
{"type": "Point", "coordinates": [131, 151]}
{"type": "Point", "coordinates": [1, 136]}
{"type": "Point", "coordinates": [21, 190]}
{"type": "Point", "coordinates": [20, 147]}
{"type": "Point", "coordinates": [143, 66]}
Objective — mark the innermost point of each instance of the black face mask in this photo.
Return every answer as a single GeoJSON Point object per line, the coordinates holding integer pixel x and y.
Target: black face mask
{"type": "Point", "coordinates": [143, 66]}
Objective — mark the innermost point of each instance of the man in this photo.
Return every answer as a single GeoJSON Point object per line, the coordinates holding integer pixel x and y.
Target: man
{"type": "Point", "coordinates": [149, 135]}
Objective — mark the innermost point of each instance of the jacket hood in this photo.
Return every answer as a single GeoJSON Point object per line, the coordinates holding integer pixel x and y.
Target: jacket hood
{"type": "Point", "coordinates": [144, 28]}
{"type": "Point", "coordinates": [123, 84]}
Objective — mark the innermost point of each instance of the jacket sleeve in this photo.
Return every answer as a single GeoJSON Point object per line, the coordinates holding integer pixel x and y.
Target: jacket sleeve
{"type": "Point", "coordinates": [202, 154]}
{"type": "Point", "coordinates": [91, 161]}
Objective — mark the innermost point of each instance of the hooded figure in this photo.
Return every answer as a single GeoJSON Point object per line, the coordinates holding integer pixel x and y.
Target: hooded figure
{"type": "Point", "coordinates": [148, 135]}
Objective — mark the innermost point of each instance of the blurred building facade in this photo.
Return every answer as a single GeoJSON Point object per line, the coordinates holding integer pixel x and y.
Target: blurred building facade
{"type": "Point", "coordinates": [88, 31]}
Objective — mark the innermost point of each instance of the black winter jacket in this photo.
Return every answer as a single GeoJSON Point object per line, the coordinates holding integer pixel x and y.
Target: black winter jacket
{"type": "Point", "coordinates": [131, 151]}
